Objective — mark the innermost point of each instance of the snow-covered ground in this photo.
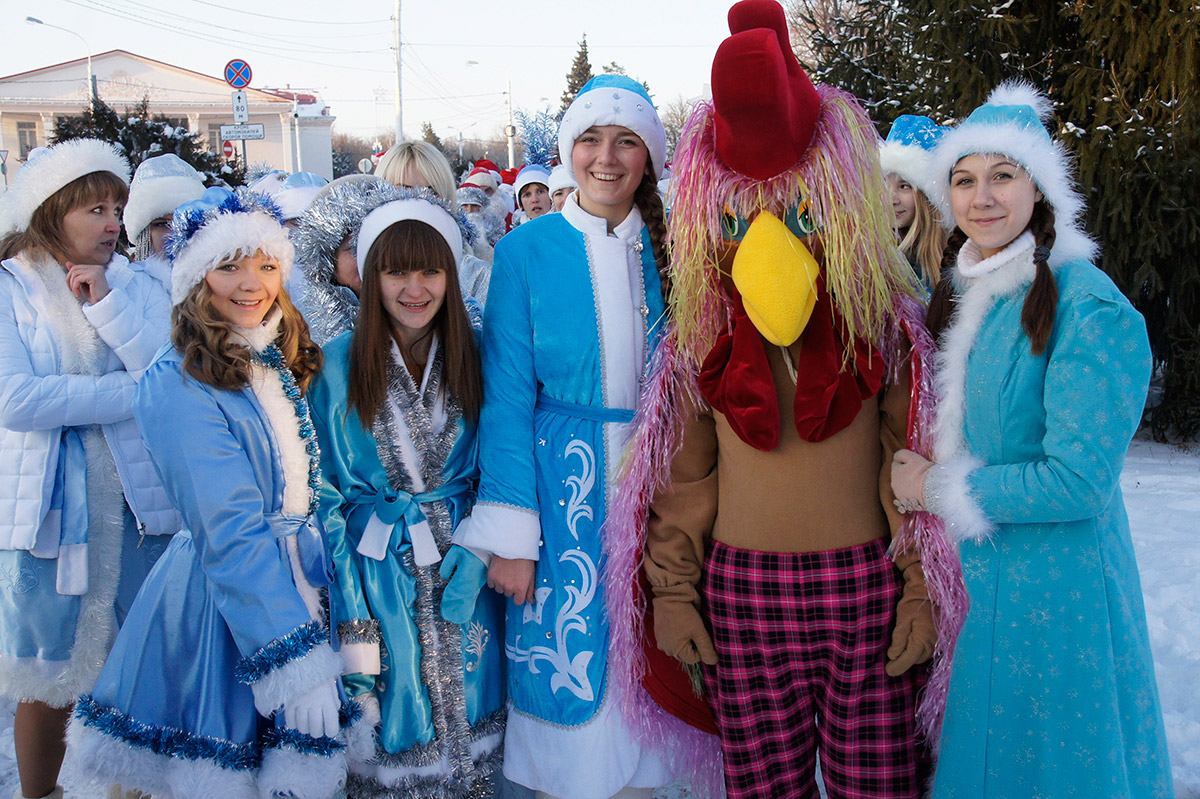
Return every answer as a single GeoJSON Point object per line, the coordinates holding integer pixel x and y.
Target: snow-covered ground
{"type": "Point", "coordinates": [1162, 491]}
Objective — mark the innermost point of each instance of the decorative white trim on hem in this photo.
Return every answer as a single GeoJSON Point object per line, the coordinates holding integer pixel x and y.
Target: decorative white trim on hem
{"type": "Point", "coordinates": [296, 677]}
{"type": "Point", "coordinates": [287, 772]}
{"type": "Point", "coordinates": [503, 530]}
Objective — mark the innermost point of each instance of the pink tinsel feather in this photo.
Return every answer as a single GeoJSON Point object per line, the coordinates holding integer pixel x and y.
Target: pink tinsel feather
{"type": "Point", "coordinates": [646, 468]}
{"type": "Point", "coordinates": [924, 532]}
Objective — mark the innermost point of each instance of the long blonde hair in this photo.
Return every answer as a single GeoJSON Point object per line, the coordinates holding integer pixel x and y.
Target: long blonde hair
{"type": "Point", "coordinates": [925, 240]}
{"type": "Point", "coordinates": [210, 354]}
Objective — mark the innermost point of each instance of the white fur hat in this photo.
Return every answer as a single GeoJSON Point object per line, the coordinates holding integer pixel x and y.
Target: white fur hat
{"type": "Point", "coordinates": [531, 173]}
{"type": "Point", "coordinates": [1010, 123]}
{"type": "Point", "coordinates": [421, 210]}
{"type": "Point", "coordinates": [297, 193]}
{"type": "Point", "coordinates": [221, 225]}
{"type": "Point", "coordinates": [48, 169]}
{"type": "Point", "coordinates": [614, 100]}
{"type": "Point", "coordinates": [561, 178]}
{"type": "Point", "coordinates": [160, 185]}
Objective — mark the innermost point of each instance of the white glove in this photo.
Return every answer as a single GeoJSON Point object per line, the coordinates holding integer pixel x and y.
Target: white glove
{"type": "Point", "coordinates": [314, 713]}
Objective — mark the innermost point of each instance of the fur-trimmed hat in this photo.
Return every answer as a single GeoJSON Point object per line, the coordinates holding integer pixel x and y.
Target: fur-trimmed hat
{"type": "Point", "coordinates": [48, 169]}
{"type": "Point", "coordinates": [906, 150]}
{"type": "Point", "coordinates": [472, 195]}
{"type": "Point", "coordinates": [561, 178]}
{"type": "Point", "coordinates": [531, 173]}
{"type": "Point", "coordinates": [429, 209]}
{"type": "Point", "coordinates": [219, 226]}
{"type": "Point", "coordinates": [297, 192]}
{"type": "Point", "coordinates": [482, 178]}
{"type": "Point", "coordinates": [1011, 123]}
{"type": "Point", "coordinates": [160, 185]}
{"type": "Point", "coordinates": [614, 100]}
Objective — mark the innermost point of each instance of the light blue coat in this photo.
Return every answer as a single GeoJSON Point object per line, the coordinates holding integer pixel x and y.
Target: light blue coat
{"type": "Point", "coordinates": [220, 635]}
{"type": "Point", "coordinates": [1053, 691]}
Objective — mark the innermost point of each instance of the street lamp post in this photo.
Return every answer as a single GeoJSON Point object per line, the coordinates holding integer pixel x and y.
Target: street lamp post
{"type": "Point", "coordinates": [91, 79]}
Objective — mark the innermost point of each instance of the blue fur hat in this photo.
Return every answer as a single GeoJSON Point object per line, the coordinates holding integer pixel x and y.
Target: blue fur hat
{"type": "Point", "coordinates": [1010, 124]}
{"type": "Point", "coordinates": [906, 150]}
{"type": "Point", "coordinates": [614, 100]}
{"type": "Point", "coordinates": [219, 226]}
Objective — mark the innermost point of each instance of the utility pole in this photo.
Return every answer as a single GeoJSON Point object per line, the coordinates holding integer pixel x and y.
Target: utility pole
{"type": "Point", "coordinates": [399, 96]}
{"type": "Point", "coordinates": [510, 131]}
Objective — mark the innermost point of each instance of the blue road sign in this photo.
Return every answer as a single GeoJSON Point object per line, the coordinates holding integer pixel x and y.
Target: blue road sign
{"type": "Point", "coordinates": [238, 74]}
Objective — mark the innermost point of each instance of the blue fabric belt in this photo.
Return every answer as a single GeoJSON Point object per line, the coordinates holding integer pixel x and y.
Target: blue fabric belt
{"type": "Point", "coordinates": [589, 412]}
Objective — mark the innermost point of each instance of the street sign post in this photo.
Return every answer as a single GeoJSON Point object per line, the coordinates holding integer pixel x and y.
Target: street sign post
{"type": "Point", "coordinates": [238, 74]}
{"type": "Point", "coordinates": [243, 132]}
{"type": "Point", "coordinates": [366, 165]}
{"type": "Point", "coordinates": [241, 109]}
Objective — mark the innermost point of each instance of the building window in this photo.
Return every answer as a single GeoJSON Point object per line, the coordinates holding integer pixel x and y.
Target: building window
{"type": "Point", "coordinates": [214, 137]}
{"type": "Point", "coordinates": [26, 138]}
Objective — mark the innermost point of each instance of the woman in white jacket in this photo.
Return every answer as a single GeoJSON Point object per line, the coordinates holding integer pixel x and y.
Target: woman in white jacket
{"type": "Point", "coordinates": [78, 493]}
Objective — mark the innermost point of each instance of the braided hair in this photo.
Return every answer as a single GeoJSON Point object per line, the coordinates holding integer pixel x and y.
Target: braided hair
{"type": "Point", "coordinates": [650, 205]}
{"type": "Point", "coordinates": [1041, 301]}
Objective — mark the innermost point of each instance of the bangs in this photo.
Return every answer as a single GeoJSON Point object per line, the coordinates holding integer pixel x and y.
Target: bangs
{"type": "Point", "coordinates": [409, 246]}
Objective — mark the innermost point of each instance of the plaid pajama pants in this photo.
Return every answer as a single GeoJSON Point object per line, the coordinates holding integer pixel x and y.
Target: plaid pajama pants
{"type": "Point", "coordinates": [802, 642]}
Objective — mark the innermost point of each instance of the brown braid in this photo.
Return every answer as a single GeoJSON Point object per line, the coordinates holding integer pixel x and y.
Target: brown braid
{"type": "Point", "coordinates": [1041, 303]}
{"type": "Point", "coordinates": [649, 204]}
{"type": "Point", "coordinates": [941, 304]}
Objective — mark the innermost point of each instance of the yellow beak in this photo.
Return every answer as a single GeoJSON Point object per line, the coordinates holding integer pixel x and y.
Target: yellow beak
{"type": "Point", "coordinates": [777, 278]}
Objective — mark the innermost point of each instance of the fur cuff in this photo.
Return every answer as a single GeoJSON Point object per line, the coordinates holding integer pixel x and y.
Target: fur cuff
{"type": "Point", "coordinates": [503, 530]}
{"type": "Point", "coordinates": [288, 772]}
{"type": "Point", "coordinates": [283, 683]}
{"type": "Point", "coordinates": [948, 494]}
{"type": "Point", "coordinates": [361, 657]}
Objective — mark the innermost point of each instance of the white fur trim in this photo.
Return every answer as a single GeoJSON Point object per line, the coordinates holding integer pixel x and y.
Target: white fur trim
{"type": "Point", "coordinates": [612, 105]}
{"type": "Point", "coordinates": [296, 677]}
{"type": "Point", "coordinates": [1002, 274]}
{"type": "Point", "coordinates": [388, 214]}
{"type": "Point", "coordinates": [80, 349]}
{"type": "Point", "coordinates": [361, 657]}
{"type": "Point", "coordinates": [286, 772]}
{"type": "Point", "coordinates": [948, 494]}
{"type": "Point", "coordinates": [150, 199]}
{"type": "Point", "coordinates": [909, 161]}
{"type": "Point", "coordinates": [503, 530]}
{"type": "Point", "coordinates": [1022, 92]}
{"type": "Point", "coordinates": [107, 759]}
{"type": "Point", "coordinates": [360, 738]}
{"type": "Point", "coordinates": [227, 236]}
{"type": "Point", "coordinates": [51, 170]}
{"type": "Point", "coordinates": [281, 415]}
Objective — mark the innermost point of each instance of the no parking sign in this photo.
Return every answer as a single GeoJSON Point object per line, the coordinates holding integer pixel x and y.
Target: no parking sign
{"type": "Point", "coordinates": [238, 74]}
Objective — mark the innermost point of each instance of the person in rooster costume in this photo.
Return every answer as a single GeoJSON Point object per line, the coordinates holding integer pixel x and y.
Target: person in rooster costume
{"type": "Point", "coordinates": [792, 370]}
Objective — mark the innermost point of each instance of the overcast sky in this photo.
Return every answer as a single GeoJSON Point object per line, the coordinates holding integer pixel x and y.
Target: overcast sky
{"type": "Point", "coordinates": [343, 49]}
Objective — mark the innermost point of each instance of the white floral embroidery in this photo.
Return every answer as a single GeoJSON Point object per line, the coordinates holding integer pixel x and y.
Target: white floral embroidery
{"type": "Point", "coordinates": [580, 485]}
{"type": "Point", "coordinates": [477, 640]}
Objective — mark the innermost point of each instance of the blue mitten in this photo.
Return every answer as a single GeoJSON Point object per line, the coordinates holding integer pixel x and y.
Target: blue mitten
{"type": "Point", "coordinates": [466, 574]}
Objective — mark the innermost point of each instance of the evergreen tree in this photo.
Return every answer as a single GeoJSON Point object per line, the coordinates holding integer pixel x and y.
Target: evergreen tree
{"type": "Point", "coordinates": [1131, 101]}
{"type": "Point", "coordinates": [580, 73]}
{"type": "Point", "coordinates": [428, 134]}
{"type": "Point", "coordinates": [140, 136]}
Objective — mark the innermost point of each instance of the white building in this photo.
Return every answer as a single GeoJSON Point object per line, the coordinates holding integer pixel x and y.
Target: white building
{"type": "Point", "coordinates": [297, 127]}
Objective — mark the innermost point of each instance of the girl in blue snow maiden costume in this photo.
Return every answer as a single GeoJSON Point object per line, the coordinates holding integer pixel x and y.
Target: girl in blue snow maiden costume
{"type": "Point", "coordinates": [573, 314]}
{"type": "Point", "coordinates": [223, 681]}
{"type": "Point", "coordinates": [395, 409]}
{"type": "Point", "coordinates": [1043, 372]}
{"type": "Point", "coordinates": [78, 327]}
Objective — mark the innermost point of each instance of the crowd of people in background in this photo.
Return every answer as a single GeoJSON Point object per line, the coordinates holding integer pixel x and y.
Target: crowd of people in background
{"type": "Point", "coordinates": [583, 479]}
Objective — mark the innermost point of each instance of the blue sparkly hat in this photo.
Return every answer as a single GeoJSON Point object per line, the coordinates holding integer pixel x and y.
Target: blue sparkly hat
{"type": "Point", "coordinates": [906, 150]}
{"type": "Point", "coordinates": [220, 226]}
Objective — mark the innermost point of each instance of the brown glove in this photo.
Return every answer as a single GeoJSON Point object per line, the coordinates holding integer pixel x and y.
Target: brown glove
{"type": "Point", "coordinates": [914, 636]}
{"type": "Point", "coordinates": [681, 633]}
